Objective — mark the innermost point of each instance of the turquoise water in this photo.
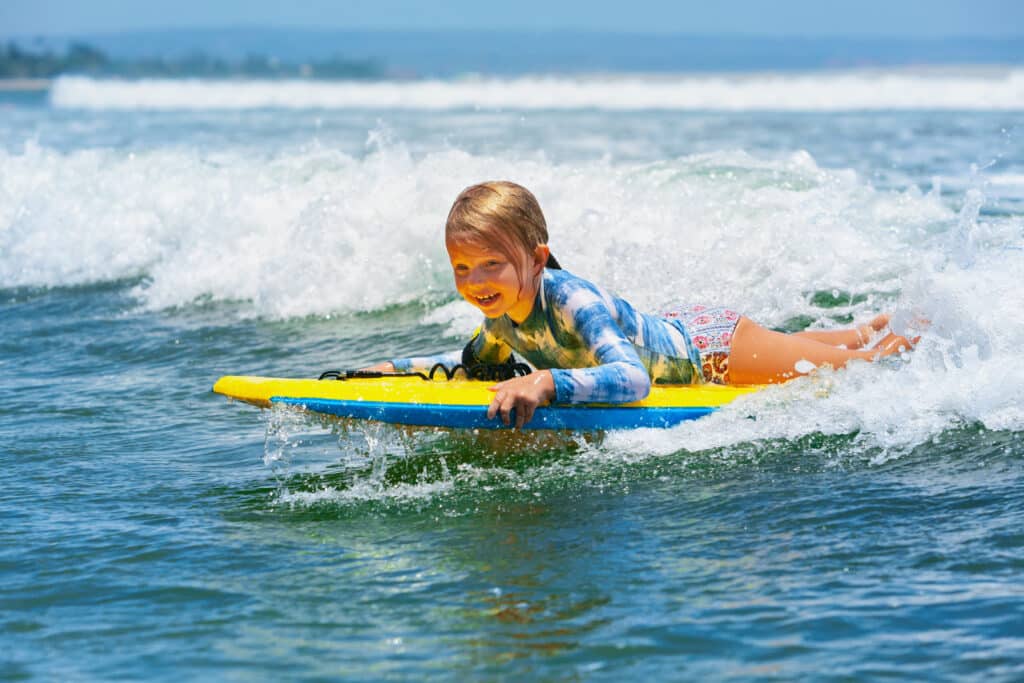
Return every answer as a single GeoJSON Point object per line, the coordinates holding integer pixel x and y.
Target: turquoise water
{"type": "Point", "coordinates": [863, 524]}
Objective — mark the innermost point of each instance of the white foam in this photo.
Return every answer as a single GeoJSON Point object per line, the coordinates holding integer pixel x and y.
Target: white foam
{"type": "Point", "coordinates": [815, 91]}
{"type": "Point", "coordinates": [363, 491]}
{"type": "Point", "coordinates": [313, 232]}
{"type": "Point", "coordinates": [804, 366]}
{"type": "Point", "coordinates": [965, 371]}
{"type": "Point", "coordinates": [459, 317]}
{"type": "Point", "coordinates": [316, 231]}
{"type": "Point", "coordinates": [1006, 179]}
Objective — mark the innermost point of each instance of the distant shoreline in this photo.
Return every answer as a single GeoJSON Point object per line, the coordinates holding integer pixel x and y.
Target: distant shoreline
{"type": "Point", "coordinates": [366, 55]}
{"type": "Point", "coordinates": [24, 84]}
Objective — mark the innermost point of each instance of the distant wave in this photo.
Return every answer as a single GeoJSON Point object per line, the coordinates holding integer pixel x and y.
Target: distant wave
{"type": "Point", "coordinates": [971, 89]}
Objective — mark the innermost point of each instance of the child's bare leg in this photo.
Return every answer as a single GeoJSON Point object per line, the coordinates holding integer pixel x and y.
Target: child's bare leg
{"type": "Point", "coordinates": [856, 338]}
{"type": "Point", "coordinates": [851, 339]}
{"type": "Point", "coordinates": [762, 356]}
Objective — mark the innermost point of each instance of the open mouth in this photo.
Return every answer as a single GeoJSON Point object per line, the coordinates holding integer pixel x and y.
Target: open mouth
{"type": "Point", "coordinates": [486, 300]}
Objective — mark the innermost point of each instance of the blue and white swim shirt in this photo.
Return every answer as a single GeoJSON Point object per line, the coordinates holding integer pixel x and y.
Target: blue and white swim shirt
{"type": "Point", "coordinates": [597, 346]}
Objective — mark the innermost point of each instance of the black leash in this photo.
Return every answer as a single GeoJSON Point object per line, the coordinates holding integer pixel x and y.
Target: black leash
{"type": "Point", "coordinates": [480, 371]}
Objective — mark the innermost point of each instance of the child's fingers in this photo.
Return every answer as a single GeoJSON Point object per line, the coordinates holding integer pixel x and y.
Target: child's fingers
{"type": "Point", "coordinates": [496, 406]}
{"type": "Point", "coordinates": [520, 394]}
{"type": "Point", "coordinates": [524, 413]}
{"type": "Point", "coordinates": [503, 405]}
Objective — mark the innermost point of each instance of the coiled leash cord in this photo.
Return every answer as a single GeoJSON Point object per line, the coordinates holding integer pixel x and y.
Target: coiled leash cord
{"type": "Point", "coordinates": [487, 372]}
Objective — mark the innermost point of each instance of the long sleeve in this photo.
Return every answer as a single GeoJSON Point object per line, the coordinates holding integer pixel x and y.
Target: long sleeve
{"type": "Point", "coordinates": [424, 363]}
{"type": "Point", "coordinates": [618, 375]}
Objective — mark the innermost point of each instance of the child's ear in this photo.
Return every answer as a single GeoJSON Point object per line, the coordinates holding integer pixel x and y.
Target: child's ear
{"type": "Point", "coordinates": [540, 255]}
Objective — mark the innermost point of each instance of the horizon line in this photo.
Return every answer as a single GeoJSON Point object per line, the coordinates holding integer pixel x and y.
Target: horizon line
{"type": "Point", "coordinates": [106, 33]}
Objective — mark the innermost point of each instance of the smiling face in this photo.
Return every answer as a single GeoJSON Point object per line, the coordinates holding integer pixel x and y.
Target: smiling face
{"type": "Point", "coordinates": [494, 283]}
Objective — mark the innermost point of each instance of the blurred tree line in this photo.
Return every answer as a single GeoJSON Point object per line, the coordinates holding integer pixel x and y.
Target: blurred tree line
{"type": "Point", "coordinates": [83, 59]}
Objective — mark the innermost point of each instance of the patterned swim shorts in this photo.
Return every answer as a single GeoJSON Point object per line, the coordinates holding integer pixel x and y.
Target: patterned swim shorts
{"type": "Point", "coordinates": [711, 329]}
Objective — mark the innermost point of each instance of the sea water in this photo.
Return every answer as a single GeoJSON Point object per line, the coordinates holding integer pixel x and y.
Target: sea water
{"type": "Point", "coordinates": [860, 524]}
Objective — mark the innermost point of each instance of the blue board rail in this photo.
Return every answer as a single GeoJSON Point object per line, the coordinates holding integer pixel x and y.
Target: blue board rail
{"type": "Point", "coordinates": [576, 418]}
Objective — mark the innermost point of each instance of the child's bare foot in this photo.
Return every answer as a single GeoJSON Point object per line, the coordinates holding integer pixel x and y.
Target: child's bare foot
{"type": "Point", "coordinates": [893, 343]}
{"type": "Point", "coordinates": [865, 332]}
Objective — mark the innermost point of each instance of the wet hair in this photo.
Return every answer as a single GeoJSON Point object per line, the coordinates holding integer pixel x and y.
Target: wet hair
{"type": "Point", "coordinates": [502, 215]}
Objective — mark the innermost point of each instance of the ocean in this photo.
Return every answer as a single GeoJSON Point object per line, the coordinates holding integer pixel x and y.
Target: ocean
{"type": "Point", "coordinates": [855, 525]}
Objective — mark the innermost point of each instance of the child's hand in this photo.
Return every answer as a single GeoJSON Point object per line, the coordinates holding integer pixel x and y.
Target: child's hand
{"type": "Point", "coordinates": [523, 394]}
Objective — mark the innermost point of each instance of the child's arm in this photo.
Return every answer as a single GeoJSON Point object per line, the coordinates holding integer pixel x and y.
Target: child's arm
{"type": "Point", "coordinates": [485, 349]}
{"type": "Point", "coordinates": [615, 373]}
{"type": "Point", "coordinates": [424, 363]}
{"type": "Point", "coordinates": [386, 366]}
{"type": "Point", "coordinates": [618, 376]}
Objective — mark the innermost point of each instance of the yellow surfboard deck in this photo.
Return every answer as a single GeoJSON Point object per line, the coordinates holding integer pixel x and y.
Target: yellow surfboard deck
{"type": "Point", "coordinates": [410, 400]}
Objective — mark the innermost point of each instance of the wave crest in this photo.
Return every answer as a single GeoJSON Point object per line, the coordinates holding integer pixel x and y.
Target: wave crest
{"type": "Point", "coordinates": [973, 89]}
{"type": "Point", "coordinates": [318, 231]}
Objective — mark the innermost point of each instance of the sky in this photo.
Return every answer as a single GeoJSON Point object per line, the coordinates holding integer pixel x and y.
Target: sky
{"type": "Point", "coordinates": [773, 18]}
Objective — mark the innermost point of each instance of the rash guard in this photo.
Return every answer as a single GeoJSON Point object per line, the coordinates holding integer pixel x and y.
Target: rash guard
{"type": "Point", "coordinates": [597, 346]}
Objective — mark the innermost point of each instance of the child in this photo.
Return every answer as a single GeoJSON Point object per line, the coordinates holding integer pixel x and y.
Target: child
{"type": "Point", "coordinates": [590, 346]}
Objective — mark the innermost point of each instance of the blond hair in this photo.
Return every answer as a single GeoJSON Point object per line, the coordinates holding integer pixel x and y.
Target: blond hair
{"type": "Point", "coordinates": [502, 215]}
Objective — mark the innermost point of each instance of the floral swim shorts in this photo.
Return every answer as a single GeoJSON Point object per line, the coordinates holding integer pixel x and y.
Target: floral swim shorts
{"type": "Point", "coordinates": [711, 329]}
